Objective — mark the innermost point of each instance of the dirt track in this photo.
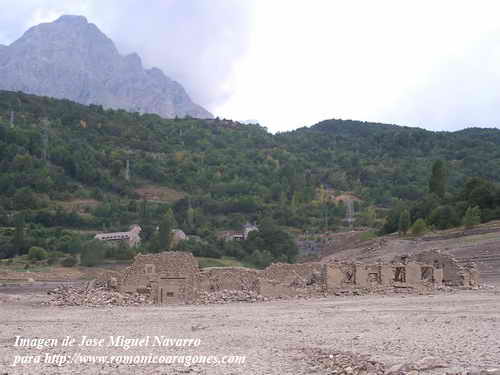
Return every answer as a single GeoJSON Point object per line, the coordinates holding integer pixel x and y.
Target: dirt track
{"type": "Point", "coordinates": [462, 329]}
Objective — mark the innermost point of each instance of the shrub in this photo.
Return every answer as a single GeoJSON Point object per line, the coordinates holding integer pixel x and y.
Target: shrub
{"type": "Point", "coordinates": [404, 222]}
{"type": "Point", "coordinates": [472, 217]}
{"type": "Point", "coordinates": [120, 252]}
{"type": "Point", "coordinates": [444, 217]}
{"type": "Point", "coordinates": [419, 227]}
{"type": "Point", "coordinates": [69, 261]}
{"type": "Point", "coordinates": [92, 254]}
{"type": "Point", "coordinates": [54, 257]}
{"type": "Point", "coordinates": [260, 259]}
{"type": "Point", "coordinates": [365, 236]}
{"type": "Point", "coordinates": [37, 253]}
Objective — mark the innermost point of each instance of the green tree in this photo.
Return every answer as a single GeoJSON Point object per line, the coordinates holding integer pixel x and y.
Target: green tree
{"type": "Point", "coordinates": [69, 261]}
{"type": "Point", "coordinates": [404, 222]}
{"type": "Point", "coordinates": [294, 203]}
{"type": "Point", "coordinates": [144, 209]}
{"type": "Point", "coordinates": [391, 223]}
{"type": "Point", "coordinates": [419, 227]}
{"type": "Point", "coordinates": [93, 253]}
{"type": "Point", "coordinates": [37, 253]}
{"type": "Point", "coordinates": [444, 217]}
{"type": "Point", "coordinates": [24, 199]}
{"type": "Point", "coordinates": [132, 206]}
{"type": "Point", "coordinates": [472, 217]}
{"type": "Point", "coordinates": [259, 259]}
{"type": "Point", "coordinates": [368, 217]}
{"type": "Point", "coordinates": [270, 237]}
{"type": "Point", "coordinates": [190, 216]}
{"type": "Point", "coordinates": [439, 179]}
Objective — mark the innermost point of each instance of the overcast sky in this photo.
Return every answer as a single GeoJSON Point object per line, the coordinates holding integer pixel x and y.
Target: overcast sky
{"type": "Point", "coordinates": [292, 63]}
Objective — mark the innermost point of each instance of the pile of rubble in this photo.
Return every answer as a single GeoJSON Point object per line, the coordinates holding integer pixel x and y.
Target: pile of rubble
{"type": "Point", "coordinates": [98, 296]}
{"type": "Point", "coordinates": [227, 296]}
{"type": "Point", "coordinates": [336, 362]}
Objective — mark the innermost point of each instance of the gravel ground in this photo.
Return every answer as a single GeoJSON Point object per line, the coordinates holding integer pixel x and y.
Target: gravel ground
{"type": "Point", "coordinates": [461, 330]}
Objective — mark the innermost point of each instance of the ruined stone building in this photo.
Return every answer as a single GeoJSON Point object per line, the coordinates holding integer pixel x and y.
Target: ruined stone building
{"type": "Point", "coordinates": [132, 236]}
{"type": "Point", "coordinates": [454, 273]}
{"type": "Point", "coordinates": [413, 275]}
{"type": "Point", "coordinates": [170, 276]}
{"type": "Point", "coordinates": [175, 277]}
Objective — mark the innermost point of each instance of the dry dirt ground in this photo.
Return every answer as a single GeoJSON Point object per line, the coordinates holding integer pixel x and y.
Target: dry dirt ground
{"type": "Point", "coordinates": [460, 330]}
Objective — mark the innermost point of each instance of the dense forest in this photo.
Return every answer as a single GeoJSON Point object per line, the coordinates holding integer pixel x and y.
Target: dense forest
{"type": "Point", "coordinates": [54, 153]}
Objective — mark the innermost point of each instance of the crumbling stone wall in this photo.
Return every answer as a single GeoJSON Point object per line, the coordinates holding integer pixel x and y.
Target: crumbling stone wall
{"type": "Point", "coordinates": [367, 275]}
{"type": "Point", "coordinates": [438, 277]}
{"type": "Point", "coordinates": [453, 274]}
{"type": "Point", "coordinates": [176, 277]}
{"type": "Point", "coordinates": [341, 276]}
{"type": "Point", "coordinates": [151, 270]}
{"type": "Point", "coordinates": [470, 275]}
{"type": "Point", "coordinates": [286, 273]}
{"type": "Point", "coordinates": [413, 274]}
{"type": "Point", "coordinates": [283, 279]}
{"type": "Point", "coordinates": [229, 278]}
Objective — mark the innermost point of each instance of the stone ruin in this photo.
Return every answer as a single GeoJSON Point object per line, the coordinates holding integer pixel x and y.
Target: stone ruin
{"type": "Point", "coordinates": [454, 273]}
{"type": "Point", "coordinates": [169, 277]}
{"type": "Point", "coordinates": [175, 277]}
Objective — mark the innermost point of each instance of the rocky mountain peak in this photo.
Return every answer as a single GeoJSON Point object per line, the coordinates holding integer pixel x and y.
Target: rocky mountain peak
{"type": "Point", "coordinates": [71, 58]}
{"type": "Point", "coordinates": [72, 19]}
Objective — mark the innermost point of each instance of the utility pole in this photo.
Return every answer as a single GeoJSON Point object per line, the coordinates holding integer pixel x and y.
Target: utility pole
{"type": "Point", "coordinates": [180, 135]}
{"type": "Point", "coordinates": [45, 139]}
{"type": "Point", "coordinates": [350, 213]}
{"type": "Point", "coordinates": [11, 119]}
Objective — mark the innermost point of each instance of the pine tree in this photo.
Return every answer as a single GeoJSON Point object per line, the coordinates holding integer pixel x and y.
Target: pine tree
{"type": "Point", "coordinates": [144, 209]}
{"type": "Point", "coordinates": [294, 203]}
{"type": "Point", "coordinates": [404, 222]}
{"type": "Point", "coordinates": [439, 179]}
{"type": "Point", "coordinates": [18, 242]}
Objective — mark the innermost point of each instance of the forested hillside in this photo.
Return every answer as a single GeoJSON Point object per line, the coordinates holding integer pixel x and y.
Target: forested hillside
{"type": "Point", "coordinates": [63, 168]}
{"type": "Point", "coordinates": [383, 162]}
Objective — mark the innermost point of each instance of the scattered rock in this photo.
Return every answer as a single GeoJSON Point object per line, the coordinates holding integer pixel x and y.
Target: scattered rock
{"type": "Point", "coordinates": [491, 371]}
{"type": "Point", "coordinates": [429, 363]}
{"type": "Point", "coordinates": [98, 296]}
{"type": "Point", "coordinates": [227, 296]}
{"type": "Point", "coordinates": [336, 362]}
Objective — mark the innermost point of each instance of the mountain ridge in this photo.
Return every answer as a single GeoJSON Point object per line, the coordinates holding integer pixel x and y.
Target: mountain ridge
{"type": "Point", "coordinates": [71, 58]}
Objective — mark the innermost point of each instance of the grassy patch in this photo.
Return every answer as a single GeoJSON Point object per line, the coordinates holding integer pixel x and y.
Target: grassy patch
{"type": "Point", "coordinates": [220, 262]}
{"type": "Point", "coordinates": [23, 264]}
{"type": "Point", "coordinates": [365, 236]}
